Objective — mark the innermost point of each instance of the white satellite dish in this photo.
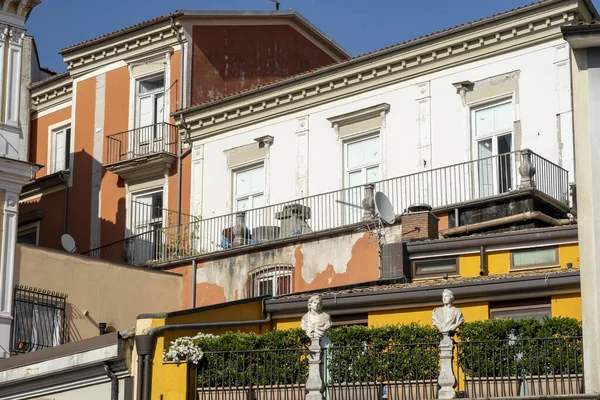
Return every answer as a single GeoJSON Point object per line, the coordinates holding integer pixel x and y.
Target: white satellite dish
{"type": "Point", "coordinates": [68, 243]}
{"type": "Point", "coordinates": [384, 208]}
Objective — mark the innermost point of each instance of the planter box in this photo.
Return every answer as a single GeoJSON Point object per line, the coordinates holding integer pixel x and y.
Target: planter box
{"type": "Point", "coordinates": [275, 392]}
{"type": "Point", "coordinates": [511, 386]}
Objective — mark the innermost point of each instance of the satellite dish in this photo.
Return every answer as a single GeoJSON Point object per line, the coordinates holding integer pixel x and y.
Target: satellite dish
{"type": "Point", "coordinates": [384, 208]}
{"type": "Point", "coordinates": [68, 243]}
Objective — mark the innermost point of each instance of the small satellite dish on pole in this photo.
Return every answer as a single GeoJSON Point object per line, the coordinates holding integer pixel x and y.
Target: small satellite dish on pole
{"type": "Point", "coordinates": [384, 208]}
{"type": "Point", "coordinates": [68, 243]}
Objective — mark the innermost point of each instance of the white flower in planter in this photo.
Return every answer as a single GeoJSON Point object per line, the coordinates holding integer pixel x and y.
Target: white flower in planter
{"type": "Point", "coordinates": [185, 349]}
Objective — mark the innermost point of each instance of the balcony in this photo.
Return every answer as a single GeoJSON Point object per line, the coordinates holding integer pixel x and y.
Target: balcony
{"type": "Point", "coordinates": [152, 147]}
{"type": "Point", "coordinates": [444, 187]}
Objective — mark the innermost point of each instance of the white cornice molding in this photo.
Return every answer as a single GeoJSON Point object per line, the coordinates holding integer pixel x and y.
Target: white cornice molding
{"type": "Point", "coordinates": [352, 78]}
{"type": "Point", "coordinates": [153, 38]}
{"type": "Point", "coordinates": [52, 94]}
{"type": "Point", "coordinates": [359, 115]}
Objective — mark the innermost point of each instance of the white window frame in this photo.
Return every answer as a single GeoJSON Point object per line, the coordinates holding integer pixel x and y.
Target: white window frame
{"type": "Point", "coordinates": [133, 197]}
{"type": "Point", "coordinates": [251, 195]}
{"type": "Point", "coordinates": [24, 229]}
{"type": "Point", "coordinates": [52, 130]}
{"type": "Point", "coordinates": [482, 105]}
{"type": "Point", "coordinates": [273, 274]}
{"type": "Point", "coordinates": [138, 81]}
{"type": "Point", "coordinates": [364, 167]}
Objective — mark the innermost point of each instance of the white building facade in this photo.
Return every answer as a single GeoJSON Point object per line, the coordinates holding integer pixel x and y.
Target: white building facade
{"type": "Point", "coordinates": [481, 91]}
{"type": "Point", "coordinates": [18, 67]}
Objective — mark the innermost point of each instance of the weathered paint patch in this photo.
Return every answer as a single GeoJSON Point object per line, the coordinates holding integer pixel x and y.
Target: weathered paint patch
{"type": "Point", "coordinates": [209, 293]}
{"type": "Point", "coordinates": [316, 258]}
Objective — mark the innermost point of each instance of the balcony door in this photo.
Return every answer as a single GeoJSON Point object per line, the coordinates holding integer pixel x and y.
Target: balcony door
{"type": "Point", "coordinates": [493, 133]}
{"type": "Point", "coordinates": [361, 166]}
{"type": "Point", "coordinates": [150, 134]}
{"type": "Point", "coordinates": [146, 223]}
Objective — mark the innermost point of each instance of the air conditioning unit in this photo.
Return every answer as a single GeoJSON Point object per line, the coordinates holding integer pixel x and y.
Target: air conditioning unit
{"type": "Point", "coordinates": [395, 262]}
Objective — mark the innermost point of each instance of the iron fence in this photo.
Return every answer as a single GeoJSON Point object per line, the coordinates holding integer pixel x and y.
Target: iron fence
{"type": "Point", "coordinates": [252, 375]}
{"type": "Point", "coordinates": [390, 371]}
{"type": "Point", "coordinates": [140, 142]}
{"type": "Point", "coordinates": [521, 367]}
{"type": "Point", "coordinates": [39, 319]}
{"type": "Point", "coordinates": [438, 187]}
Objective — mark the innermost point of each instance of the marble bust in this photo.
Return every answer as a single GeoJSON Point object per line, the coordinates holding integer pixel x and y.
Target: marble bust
{"type": "Point", "coordinates": [447, 318]}
{"type": "Point", "coordinates": [315, 322]}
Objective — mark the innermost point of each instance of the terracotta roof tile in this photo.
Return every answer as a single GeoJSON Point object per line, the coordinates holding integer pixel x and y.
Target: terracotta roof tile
{"type": "Point", "coordinates": [107, 35]}
{"type": "Point", "coordinates": [365, 55]}
{"type": "Point", "coordinates": [426, 283]}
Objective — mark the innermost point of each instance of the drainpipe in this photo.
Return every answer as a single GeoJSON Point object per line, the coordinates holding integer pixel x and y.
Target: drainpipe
{"type": "Point", "coordinates": [114, 382]}
{"type": "Point", "coordinates": [145, 345]}
{"type": "Point", "coordinates": [66, 200]}
{"type": "Point", "coordinates": [193, 284]}
{"type": "Point", "coordinates": [482, 260]}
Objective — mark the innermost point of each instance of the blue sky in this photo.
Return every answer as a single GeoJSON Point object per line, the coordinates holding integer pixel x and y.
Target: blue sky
{"type": "Point", "coordinates": [359, 26]}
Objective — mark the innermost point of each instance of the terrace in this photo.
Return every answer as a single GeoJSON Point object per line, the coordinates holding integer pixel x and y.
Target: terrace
{"type": "Point", "coordinates": [442, 188]}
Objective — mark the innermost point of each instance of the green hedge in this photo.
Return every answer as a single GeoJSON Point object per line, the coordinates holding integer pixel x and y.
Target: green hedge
{"type": "Point", "coordinates": [525, 347]}
{"type": "Point", "coordinates": [401, 352]}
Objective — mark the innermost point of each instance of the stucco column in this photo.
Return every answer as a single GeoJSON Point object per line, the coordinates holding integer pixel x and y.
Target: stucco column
{"type": "Point", "coordinates": [10, 220]}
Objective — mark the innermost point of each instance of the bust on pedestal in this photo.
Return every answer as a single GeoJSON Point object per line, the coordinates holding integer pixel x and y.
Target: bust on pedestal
{"type": "Point", "coordinates": [447, 319]}
{"type": "Point", "coordinates": [315, 323]}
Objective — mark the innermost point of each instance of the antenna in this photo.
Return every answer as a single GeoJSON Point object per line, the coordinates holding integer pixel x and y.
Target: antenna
{"type": "Point", "coordinates": [68, 243]}
{"type": "Point", "coordinates": [277, 3]}
{"type": "Point", "coordinates": [384, 208]}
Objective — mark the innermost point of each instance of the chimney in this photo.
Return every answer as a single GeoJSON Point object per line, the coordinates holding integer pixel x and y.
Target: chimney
{"type": "Point", "coordinates": [419, 223]}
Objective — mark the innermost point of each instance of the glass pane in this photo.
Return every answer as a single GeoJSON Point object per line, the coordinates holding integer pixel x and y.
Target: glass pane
{"type": "Point", "coordinates": [145, 113]}
{"type": "Point", "coordinates": [258, 201]}
{"type": "Point", "coordinates": [372, 150]}
{"type": "Point", "coordinates": [534, 257]}
{"type": "Point", "coordinates": [242, 204]}
{"type": "Point", "coordinates": [426, 267]}
{"type": "Point", "coordinates": [60, 139]}
{"type": "Point", "coordinates": [485, 168]}
{"type": "Point", "coordinates": [484, 121]}
{"type": "Point", "coordinates": [372, 174]}
{"type": "Point", "coordinates": [159, 109]}
{"type": "Point", "coordinates": [355, 154]}
{"type": "Point", "coordinates": [503, 119]}
{"type": "Point", "coordinates": [284, 285]}
{"type": "Point", "coordinates": [265, 287]}
{"type": "Point", "coordinates": [151, 85]}
{"type": "Point", "coordinates": [504, 143]}
{"type": "Point", "coordinates": [250, 181]}
{"type": "Point", "coordinates": [355, 178]}
{"type": "Point", "coordinates": [28, 237]}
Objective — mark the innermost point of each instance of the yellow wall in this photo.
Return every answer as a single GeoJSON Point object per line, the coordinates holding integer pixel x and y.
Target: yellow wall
{"type": "Point", "coordinates": [498, 262]}
{"type": "Point", "coordinates": [567, 305]}
{"type": "Point", "coordinates": [288, 323]}
{"type": "Point", "coordinates": [471, 312]}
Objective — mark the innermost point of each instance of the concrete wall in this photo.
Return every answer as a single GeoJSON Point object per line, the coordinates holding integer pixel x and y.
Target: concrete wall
{"type": "Point", "coordinates": [114, 294]}
{"type": "Point", "coordinates": [427, 126]}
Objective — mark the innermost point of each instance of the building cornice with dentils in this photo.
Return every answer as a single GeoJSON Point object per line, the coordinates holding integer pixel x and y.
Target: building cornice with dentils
{"type": "Point", "coordinates": [482, 39]}
{"type": "Point", "coordinates": [52, 92]}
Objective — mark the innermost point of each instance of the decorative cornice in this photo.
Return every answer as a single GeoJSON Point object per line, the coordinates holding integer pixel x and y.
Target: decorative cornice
{"type": "Point", "coordinates": [154, 37]}
{"type": "Point", "coordinates": [55, 92]}
{"type": "Point", "coordinates": [375, 71]}
{"type": "Point", "coordinates": [359, 115]}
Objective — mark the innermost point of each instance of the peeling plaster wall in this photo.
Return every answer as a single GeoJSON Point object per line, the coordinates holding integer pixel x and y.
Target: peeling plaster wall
{"type": "Point", "coordinates": [329, 261]}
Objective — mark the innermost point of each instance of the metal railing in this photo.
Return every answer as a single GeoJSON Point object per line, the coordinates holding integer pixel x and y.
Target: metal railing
{"type": "Point", "coordinates": [392, 371]}
{"type": "Point", "coordinates": [438, 187]}
{"type": "Point", "coordinates": [39, 319]}
{"type": "Point", "coordinates": [140, 142]}
{"type": "Point", "coordinates": [257, 375]}
{"type": "Point", "coordinates": [521, 367]}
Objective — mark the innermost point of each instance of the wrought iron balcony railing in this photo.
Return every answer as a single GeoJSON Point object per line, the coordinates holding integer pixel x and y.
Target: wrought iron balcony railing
{"type": "Point", "coordinates": [439, 187]}
{"type": "Point", "coordinates": [141, 142]}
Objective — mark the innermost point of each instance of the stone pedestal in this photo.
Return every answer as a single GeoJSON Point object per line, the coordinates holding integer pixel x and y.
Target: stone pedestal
{"type": "Point", "coordinates": [314, 382]}
{"type": "Point", "coordinates": [446, 379]}
{"type": "Point", "coordinates": [368, 202]}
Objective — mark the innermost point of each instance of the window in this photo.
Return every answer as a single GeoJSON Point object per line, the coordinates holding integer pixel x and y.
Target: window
{"type": "Point", "coordinates": [493, 127]}
{"type": "Point", "coordinates": [150, 106]}
{"type": "Point", "coordinates": [362, 161]}
{"type": "Point", "coordinates": [28, 234]}
{"type": "Point", "coordinates": [532, 258]}
{"type": "Point", "coordinates": [529, 308]}
{"type": "Point", "coordinates": [249, 188]}
{"type": "Point", "coordinates": [39, 320]}
{"type": "Point", "coordinates": [60, 156]}
{"type": "Point", "coordinates": [435, 267]}
{"type": "Point", "coordinates": [271, 281]}
{"type": "Point", "coordinates": [147, 212]}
